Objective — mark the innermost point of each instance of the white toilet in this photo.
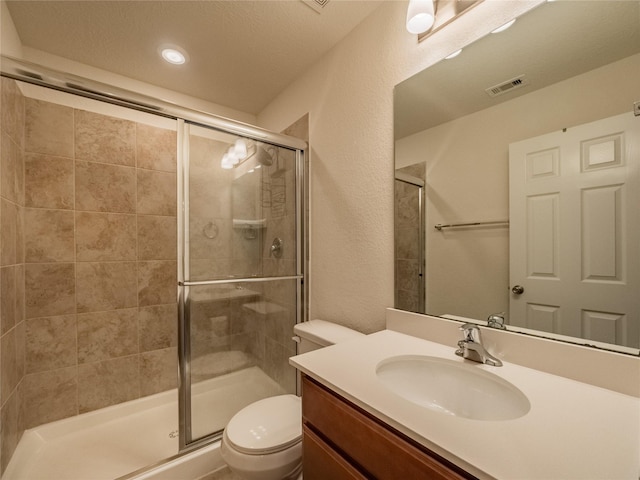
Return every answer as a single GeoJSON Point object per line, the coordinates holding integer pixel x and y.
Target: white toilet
{"type": "Point", "coordinates": [263, 441]}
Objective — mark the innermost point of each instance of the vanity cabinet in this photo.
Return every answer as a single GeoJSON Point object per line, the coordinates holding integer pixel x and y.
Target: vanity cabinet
{"type": "Point", "coordinates": [343, 442]}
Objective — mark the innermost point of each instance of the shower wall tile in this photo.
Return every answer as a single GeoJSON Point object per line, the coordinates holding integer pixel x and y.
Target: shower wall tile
{"type": "Point", "coordinates": [10, 432]}
{"type": "Point", "coordinates": [276, 364]}
{"type": "Point", "coordinates": [105, 237]}
{"type": "Point", "coordinates": [158, 371]}
{"type": "Point", "coordinates": [8, 365]}
{"type": "Point", "coordinates": [202, 187]}
{"type": "Point", "coordinates": [101, 384]}
{"type": "Point", "coordinates": [99, 234]}
{"type": "Point", "coordinates": [105, 286]}
{"type": "Point", "coordinates": [105, 188]}
{"type": "Point", "coordinates": [8, 298]}
{"type": "Point", "coordinates": [208, 268]}
{"type": "Point", "coordinates": [156, 193]}
{"type": "Point", "coordinates": [49, 235]}
{"type": "Point", "coordinates": [105, 335]}
{"type": "Point", "coordinates": [157, 237]}
{"type": "Point", "coordinates": [50, 289]}
{"type": "Point", "coordinates": [20, 332]}
{"type": "Point", "coordinates": [9, 218]}
{"type": "Point", "coordinates": [158, 327]}
{"type": "Point", "coordinates": [48, 128]}
{"type": "Point", "coordinates": [49, 181]}
{"type": "Point", "coordinates": [11, 172]}
{"type": "Point", "coordinates": [104, 139]}
{"type": "Point", "coordinates": [157, 282]}
{"type": "Point", "coordinates": [20, 250]}
{"type": "Point", "coordinates": [156, 148]}
{"type": "Point", "coordinates": [12, 111]}
{"type": "Point", "coordinates": [12, 267]}
{"type": "Point", "coordinates": [50, 343]}
{"type": "Point", "coordinates": [50, 396]}
{"type": "Point", "coordinates": [210, 237]}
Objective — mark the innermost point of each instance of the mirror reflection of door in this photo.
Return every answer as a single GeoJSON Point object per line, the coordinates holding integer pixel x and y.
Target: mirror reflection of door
{"type": "Point", "coordinates": [575, 231]}
{"type": "Point", "coordinates": [409, 238]}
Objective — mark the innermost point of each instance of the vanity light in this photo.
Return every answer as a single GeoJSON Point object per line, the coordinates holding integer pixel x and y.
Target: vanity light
{"type": "Point", "coordinates": [236, 154]}
{"type": "Point", "coordinates": [173, 55]}
{"type": "Point", "coordinates": [420, 16]}
{"type": "Point", "coordinates": [240, 149]}
{"type": "Point", "coordinates": [504, 27]}
{"type": "Point", "coordinates": [453, 55]}
{"type": "Point", "coordinates": [226, 162]}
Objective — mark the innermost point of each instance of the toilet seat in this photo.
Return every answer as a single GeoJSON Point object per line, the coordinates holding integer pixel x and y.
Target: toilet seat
{"type": "Point", "coordinates": [269, 425]}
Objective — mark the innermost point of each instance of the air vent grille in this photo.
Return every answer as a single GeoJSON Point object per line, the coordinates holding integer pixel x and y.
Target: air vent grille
{"type": "Point", "coordinates": [317, 5]}
{"type": "Point", "coordinates": [504, 87]}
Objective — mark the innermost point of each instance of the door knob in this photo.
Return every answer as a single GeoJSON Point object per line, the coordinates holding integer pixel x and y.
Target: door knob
{"type": "Point", "coordinates": [518, 289]}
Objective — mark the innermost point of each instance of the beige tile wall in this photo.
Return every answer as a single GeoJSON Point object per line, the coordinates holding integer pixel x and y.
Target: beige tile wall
{"type": "Point", "coordinates": [100, 261]}
{"type": "Point", "coordinates": [12, 271]}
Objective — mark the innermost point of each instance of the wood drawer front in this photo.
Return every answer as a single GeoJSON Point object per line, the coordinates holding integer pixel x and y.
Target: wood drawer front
{"type": "Point", "coordinates": [372, 446]}
{"type": "Point", "coordinates": [321, 462]}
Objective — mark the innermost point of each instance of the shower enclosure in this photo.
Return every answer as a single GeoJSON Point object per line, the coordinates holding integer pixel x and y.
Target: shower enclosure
{"type": "Point", "coordinates": [409, 238]}
{"type": "Point", "coordinates": [241, 276]}
{"type": "Point", "coordinates": [138, 239]}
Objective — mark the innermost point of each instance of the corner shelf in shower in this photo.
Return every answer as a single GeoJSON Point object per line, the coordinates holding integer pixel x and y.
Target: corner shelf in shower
{"type": "Point", "coordinates": [249, 224]}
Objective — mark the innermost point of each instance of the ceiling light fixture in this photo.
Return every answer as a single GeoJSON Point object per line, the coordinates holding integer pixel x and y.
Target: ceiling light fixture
{"type": "Point", "coordinates": [420, 16]}
{"type": "Point", "coordinates": [504, 27]}
{"type": "Point", "coordinates": [173, 55]}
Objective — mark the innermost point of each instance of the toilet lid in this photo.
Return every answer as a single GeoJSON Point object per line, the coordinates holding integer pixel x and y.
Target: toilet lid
{"type": "Point", "coordinates": [268, 425]}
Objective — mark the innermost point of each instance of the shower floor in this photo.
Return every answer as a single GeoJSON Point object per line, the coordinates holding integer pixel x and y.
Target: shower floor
{"type": "Point", "coordinates": [114, 441]}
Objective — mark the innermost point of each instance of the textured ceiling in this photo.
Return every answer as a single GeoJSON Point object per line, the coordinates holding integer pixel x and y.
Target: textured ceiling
{"type": "Point", "coordinates": [242, 52]}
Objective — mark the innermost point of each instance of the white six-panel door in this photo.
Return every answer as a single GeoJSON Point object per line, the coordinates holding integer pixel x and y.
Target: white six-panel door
{"type": "Point", "coordinates": [575, 231]}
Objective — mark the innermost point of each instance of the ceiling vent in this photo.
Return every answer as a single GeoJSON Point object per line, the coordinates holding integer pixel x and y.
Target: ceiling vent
{"type": "Point", "coordinates": [317, 5]}
{"type": "Point", "coordinates": [504, 87]}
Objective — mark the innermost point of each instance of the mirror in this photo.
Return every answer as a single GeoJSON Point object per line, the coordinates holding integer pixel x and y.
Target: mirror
{"type": "Point", "coordinates": [562, 67]}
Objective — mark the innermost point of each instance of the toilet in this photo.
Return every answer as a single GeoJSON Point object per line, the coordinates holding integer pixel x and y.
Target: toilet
{"type": "Point", "coordinates": [263, 441]}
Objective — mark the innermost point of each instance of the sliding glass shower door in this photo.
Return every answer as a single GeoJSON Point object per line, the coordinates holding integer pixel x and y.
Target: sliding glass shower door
{"type": "Point", "coordinates": [240, 276]}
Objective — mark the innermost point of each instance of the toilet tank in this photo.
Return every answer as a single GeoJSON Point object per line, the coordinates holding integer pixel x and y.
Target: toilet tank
{"type": "Point", "coordinates": [316, 334]}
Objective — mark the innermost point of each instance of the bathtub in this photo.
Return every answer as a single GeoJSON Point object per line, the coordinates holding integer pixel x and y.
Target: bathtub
{"type": "Point", "coordinates": [113, 442]}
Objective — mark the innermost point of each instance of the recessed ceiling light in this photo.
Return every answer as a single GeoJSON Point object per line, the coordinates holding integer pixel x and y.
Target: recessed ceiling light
{"type": "Point", "coordinates": [173, 55]}
{"type": "Point", "coordinates": [504, 27]}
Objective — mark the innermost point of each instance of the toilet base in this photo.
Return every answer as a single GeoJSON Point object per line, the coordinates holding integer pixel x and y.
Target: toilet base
{"type": "Point", "coordinates": [284, 465]}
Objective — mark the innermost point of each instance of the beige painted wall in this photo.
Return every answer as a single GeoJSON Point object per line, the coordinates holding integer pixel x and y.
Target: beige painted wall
{"type": "Point", "coordinates": [349, 95]}
{"type": "Point", "coordinates": [467, 170]}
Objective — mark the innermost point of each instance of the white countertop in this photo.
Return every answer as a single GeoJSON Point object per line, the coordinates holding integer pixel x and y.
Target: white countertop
{"type": "Point", "coordinates": [573, 430]}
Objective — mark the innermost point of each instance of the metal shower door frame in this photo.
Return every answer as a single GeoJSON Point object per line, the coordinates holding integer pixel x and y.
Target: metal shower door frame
{"type": "Point", "coordinates": [420, 185]}
{"type": "Point", "coordinates": [186, 441]}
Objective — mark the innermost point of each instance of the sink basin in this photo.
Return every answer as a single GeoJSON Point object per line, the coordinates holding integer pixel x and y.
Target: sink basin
{"type": "Point", "coordinates": [452, 388]}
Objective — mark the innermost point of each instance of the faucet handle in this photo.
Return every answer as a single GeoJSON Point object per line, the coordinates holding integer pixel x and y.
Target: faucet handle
{"type": "Point", "coordinates": [471, 332]}
{"type": "Point", "coordinates": [496, 320]}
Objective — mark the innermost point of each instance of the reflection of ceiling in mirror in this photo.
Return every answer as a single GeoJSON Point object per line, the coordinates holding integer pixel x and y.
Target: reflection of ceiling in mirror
{"type": "Point", "coordinates": [553, 42]}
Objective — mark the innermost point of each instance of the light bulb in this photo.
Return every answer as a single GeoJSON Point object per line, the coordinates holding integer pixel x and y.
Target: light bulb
{"type": "Point", "coordinates": [173, 56]}
{"type": "Point", "coordinates": [504, 27]}
{"type": "Point", "coordinates": [226, 162]}
{"type": "Point", "coordinates": [453, 55]}
{"type": "Point", "coordinates": [420, 16]}
{"type": "Point", "coordinates": [240, 149]}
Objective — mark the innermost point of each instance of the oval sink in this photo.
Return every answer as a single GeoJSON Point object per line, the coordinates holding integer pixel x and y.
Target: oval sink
{"type": "Point", "coordinates": [452, 388]}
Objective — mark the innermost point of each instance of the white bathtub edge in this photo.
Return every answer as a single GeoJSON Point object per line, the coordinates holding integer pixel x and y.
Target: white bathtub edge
{"type": "Point", "coordinates": [190, 466]}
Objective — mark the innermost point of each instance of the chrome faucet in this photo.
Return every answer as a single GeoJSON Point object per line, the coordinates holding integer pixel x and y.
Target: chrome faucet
{"type": "Point", "coordinates": [496, 320]}
{"type": "Point", "coordinates": [471, 347]}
